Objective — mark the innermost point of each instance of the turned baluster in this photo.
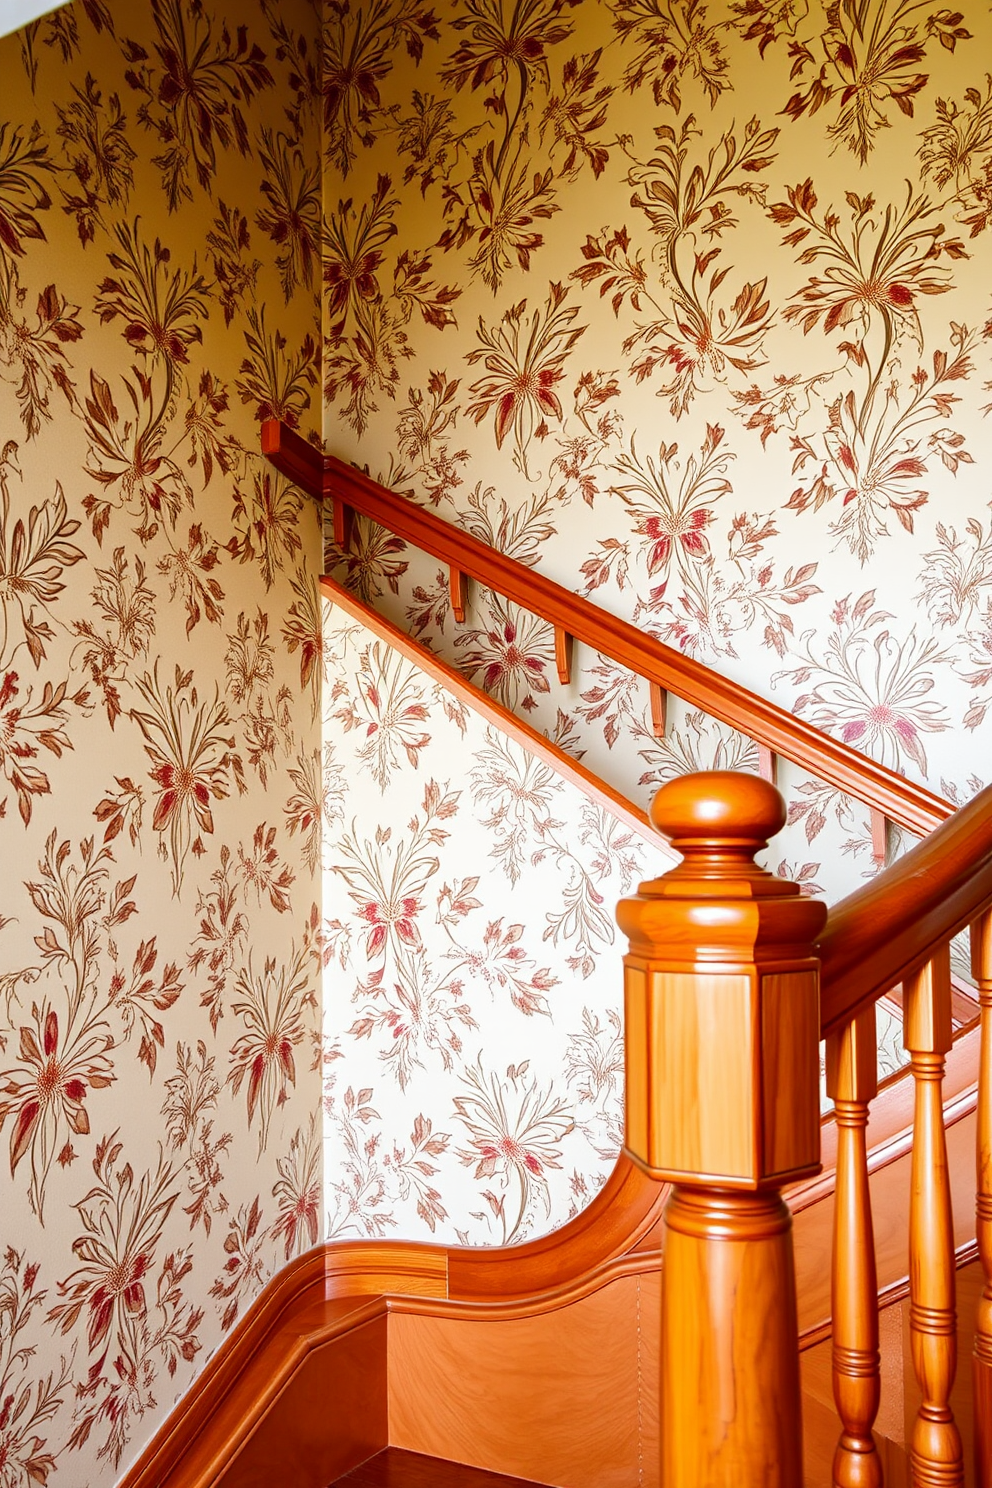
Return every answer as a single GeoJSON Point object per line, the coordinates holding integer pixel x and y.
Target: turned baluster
{"type": "Point", "coordinates": [981, 962]}
{"type": "Point", "coordinates": [722, 1027]}
{"type": "Point", "coordinates": [936, 1457]}
{"type": "Point", "coordinates": [852, 1082]}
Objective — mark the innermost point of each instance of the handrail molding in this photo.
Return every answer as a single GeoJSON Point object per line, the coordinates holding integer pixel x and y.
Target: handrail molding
{"type": "Point", "coordinates": [773, 728]}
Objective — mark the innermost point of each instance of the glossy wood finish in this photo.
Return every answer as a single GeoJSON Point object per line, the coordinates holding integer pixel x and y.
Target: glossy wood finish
{"type": "Point", "coordinates": [467, 1292]}
{"type": "Point", "coordinates": [912, 806]}
{"type": "Point", "coordinates": [936, 1453]}
{"type": "Point", "coordinates": [291, 1444]}
{"type": "Point", "coordinates": [457, 595]}
{"type": "Point", "coordinates": [730, 1394]}
{"type": "Point", "coordinates": [659, 710]}
{"type": "Point", "coordinates": [563, 1397]}
{"type": "Point", "coordinates": [563, 655]}
{"type": "Point", "coordinates": [285, 1348]}
{"type": "Point", "coordinates": [720, 997]}
{"type": "Point", "coordinates": [981, 964]}
{"type": "Point", "coordinates": [395, 1468]}
{"type": "Point", "coordinates": [893, 924]}
{"type": "Point", "coordinates": [722, 1098]}
{"type": "Point", "coordinates": [852, 1083]}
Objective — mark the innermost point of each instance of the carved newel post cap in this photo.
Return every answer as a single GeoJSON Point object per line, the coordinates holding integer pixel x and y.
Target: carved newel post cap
{"type": "Point", "coordinates": [721, 997]}
{"type": "Point", "coordinates": [718, 809]}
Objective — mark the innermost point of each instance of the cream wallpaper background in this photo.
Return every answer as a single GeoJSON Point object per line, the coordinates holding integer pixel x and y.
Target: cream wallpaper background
{"type": "Point", "coordinates": [474, 1075]}
{"type": "Point", "coordinates": [159, 709]}
{"type": "Point", "coordinates": [686, 305]}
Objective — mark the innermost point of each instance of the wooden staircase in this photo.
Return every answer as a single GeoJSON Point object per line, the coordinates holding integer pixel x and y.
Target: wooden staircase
{"type": "Point", "coordinates": [398, 1469]}
{"type": "Point", "coordinates": [580, 1360]}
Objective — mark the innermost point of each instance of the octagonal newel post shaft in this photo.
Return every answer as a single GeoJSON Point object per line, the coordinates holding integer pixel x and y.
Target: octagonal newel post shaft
{"type": "Point", "coordinates": [721, 991]}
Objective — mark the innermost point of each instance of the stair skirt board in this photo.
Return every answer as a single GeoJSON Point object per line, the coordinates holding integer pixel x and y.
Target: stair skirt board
{"type": "Point", "coordinates": [395, 1468]}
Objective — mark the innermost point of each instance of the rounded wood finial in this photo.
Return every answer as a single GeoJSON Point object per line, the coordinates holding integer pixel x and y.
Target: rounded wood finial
{"type": "Point", "coordinates": [717, 806]}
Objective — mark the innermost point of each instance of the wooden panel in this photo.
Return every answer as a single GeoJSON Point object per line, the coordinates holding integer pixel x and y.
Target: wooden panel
{"type": "Point", "coordinates": [638, 1066]}
{"type": "Point", "coordinates": [567, 1398]}
{"type": "Point", "coordinates": [395, 1468]}
{"type": "Point", "coordinates": [334, 1417]}
{"type": "Point", "coordinates": [693, 1019]}
{"type": "Point", "coordinates": [790, 1016]}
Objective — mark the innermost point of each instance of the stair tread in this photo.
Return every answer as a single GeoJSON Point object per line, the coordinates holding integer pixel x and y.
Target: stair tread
{"type": "Point", "coordinates": [395, 1468]}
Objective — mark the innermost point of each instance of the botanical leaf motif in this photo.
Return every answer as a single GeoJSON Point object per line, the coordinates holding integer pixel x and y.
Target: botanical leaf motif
{"type": "Point", "coordinates": [716, 206]}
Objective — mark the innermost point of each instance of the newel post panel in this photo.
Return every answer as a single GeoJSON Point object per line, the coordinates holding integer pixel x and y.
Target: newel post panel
{"type": "Point", "coordinates": [722, 1061]}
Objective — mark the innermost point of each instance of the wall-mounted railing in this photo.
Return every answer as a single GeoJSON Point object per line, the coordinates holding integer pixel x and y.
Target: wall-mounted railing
{"type": "Point", "coordinates": [775, 731]}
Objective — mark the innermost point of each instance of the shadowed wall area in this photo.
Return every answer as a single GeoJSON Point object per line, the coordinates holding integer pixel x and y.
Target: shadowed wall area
{"type": "Point", "coordinates": [159, 729]}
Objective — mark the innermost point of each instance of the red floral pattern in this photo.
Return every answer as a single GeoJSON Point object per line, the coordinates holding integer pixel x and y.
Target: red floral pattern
{"type": "Point", "coordinates": [159, 939]}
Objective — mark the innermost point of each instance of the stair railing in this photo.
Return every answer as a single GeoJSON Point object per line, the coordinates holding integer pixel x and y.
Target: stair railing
{"type": "Point", "coordinates": [346, 491]}
{"type": "Point", "coordinates": [731, 980]}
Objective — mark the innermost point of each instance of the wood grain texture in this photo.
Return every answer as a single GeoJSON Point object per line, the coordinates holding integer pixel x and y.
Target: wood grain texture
{"type": "Point", "coordinates": [890, 1188]}
{"type": "Point", "coordinates": [936, 1451]}
{"type": "Point", "coordinates": [721, 997]}
{"type": "Point", "coordinates": [395, 1468]}
{"type": "Point", "coordinates": [981, 965]}
{"type": "Point", "coordinates": [912, 806]}
{"type": "Point", "coordinates": [730, 1396]}
{"type": "Point", "coordinates": [334, 1417]}
{"type": "Point", "coordinates": [721, 1051]}
{"type": "Point", "coordinates": [891, 926]}
{"type": "Point", "coordinates": [619, 1229]}
{"type": "Point", "coordinates": [568, 1397]}
{"type": "Point", "coordinates": [231, 1393]}
{"type": "Point", "coordinates": [852, 1080]}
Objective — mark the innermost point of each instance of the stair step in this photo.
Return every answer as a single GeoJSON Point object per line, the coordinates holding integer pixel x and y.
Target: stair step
{"type": "Point", "coordinates": [395, 1468]}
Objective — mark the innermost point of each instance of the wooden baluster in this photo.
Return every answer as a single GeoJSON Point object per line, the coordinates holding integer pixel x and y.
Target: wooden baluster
{"type": "Point", "coordinates": [343, 520]}
{"type": "Point", "coordinates": [767, 763]}
{"type": "Point", "coordinates": [659, 708]}
{"type": "Point", "coordinates": [936, 1457]}
{"type": "Point", "coordinates": [722, 1099]}
{"type": "Point", "coordinates": [563, 655]}
{"type": "Point", "coordinates": [456, 594]}
{"type": "Point", "coordinates": [981, 964]}
{"type": "Point", "coordinates": [879, 837]}
{"type": "Point", "coordinates": [852, 1082]}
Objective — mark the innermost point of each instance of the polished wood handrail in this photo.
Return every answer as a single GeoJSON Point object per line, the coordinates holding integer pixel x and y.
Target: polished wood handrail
{"type": "Point", "coordinates": [885, 792]}
{"type": "Point", "coordinates": [896, 922]}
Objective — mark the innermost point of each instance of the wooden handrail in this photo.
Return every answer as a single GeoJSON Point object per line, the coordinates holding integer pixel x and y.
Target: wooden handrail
{"type": "Point", "coordinates": [773, 728]}
{"type": "Point", "coordinates": [892, 925]}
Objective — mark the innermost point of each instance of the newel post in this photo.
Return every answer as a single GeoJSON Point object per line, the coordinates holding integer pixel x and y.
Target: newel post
{"type": "Point", "coordinates": [722, 1055]}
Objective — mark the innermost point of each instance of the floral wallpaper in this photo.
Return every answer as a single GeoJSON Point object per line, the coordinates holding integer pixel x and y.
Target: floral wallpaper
{"type": "Point", "coordinates": [685, 304]}
{"type": "Point", "coordinates": [472, 1028]}
{"type": "Point", "coordinates": [160, 766]}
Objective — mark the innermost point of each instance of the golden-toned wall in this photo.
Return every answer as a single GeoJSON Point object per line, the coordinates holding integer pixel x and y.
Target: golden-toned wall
{"type": "Point", "coordinates": [160, 767]}
{"type": "Point", "coordinates": [686, 304]}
